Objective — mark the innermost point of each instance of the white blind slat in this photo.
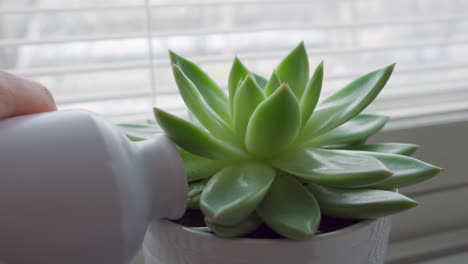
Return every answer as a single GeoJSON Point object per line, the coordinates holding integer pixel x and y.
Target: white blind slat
{"type": "Point", "coordinates": [112, 58]}
{"type": "Point", "coordinates": [218, 31]}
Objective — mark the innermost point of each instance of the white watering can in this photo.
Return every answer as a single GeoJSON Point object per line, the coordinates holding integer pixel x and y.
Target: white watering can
{"type": "Point", "coordinates": [74, 189]}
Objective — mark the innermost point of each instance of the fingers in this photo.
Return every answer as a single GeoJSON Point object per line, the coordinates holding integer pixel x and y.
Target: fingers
{"type": "Point", "coordinates": [20, 96]}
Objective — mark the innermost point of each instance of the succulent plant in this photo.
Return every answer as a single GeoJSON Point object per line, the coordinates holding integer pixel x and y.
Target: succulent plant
{"type": "Point", "coordinates": [269, 152]}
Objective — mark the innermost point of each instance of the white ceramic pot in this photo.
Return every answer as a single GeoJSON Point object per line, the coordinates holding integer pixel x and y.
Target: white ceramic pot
{"type": "Point", "coordinates": [362, 243]}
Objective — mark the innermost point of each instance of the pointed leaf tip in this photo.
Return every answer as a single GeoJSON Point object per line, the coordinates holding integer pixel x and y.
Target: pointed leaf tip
{"type": "Point", "coordinates": [199, 108]}
{"type": "Point", "coordinates": [294, 68]}
{"type": "Point", "coordinates": [301, 46]}
{"type": "Point", "coordinates": [248, 96]}
{"type": "Point", "coordinates": [311, 94]}
{"type": "Point", "coordinates": [390, 148]}
{"type": "Point", "coordinates": [347, 102]}
{"type": "Point", "coordinates": [333, 168]}
{"type": "Point", "coordinates": [274, 124]}
{"type": "Point", "coordinates": [211, 92]}
{"type": "Point", "coordinates": [172, 56]}
{"type": "Point", "coordinates": [406, 170]}
{"type": "Point", "coordinates": [357, 129]}
{"type": "Point", "coordinates": [237, 73]}
{"type": "Point", "coordinates": [359, 203]}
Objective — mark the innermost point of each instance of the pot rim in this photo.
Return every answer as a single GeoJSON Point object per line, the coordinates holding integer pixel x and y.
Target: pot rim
{"type": "Point", "coordinates": [329, 235]}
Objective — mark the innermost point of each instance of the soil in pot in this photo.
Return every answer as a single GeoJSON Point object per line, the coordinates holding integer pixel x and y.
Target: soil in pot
{"type": "Point", "coordinates": [194, 219]}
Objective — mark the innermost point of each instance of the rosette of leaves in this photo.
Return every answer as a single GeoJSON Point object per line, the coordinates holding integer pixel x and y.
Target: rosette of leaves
{"type": "Point", "coordinates": [269, 152]}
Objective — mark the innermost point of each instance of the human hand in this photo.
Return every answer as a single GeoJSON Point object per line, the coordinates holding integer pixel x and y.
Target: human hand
{"type": "Point", "coordinates": [19, 96]}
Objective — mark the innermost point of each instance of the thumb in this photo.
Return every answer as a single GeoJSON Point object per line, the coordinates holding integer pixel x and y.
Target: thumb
{"type": "Point", "coordinates": [20, 96]}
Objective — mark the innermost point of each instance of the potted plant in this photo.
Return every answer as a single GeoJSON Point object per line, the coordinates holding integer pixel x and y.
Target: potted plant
{"type": "Point", "coordinates": [291, 178]}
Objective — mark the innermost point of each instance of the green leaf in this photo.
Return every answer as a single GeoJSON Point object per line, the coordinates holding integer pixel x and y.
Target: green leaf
{"type": "Point", "coordinates": [197, 105]}
{"type": "Point", "coordinates": [194, 202]}
{"type": "Point", "coordinates": [345, 145]}
{"type": "Point", "coordinates": [245, 227]}
{"type": "Point", "coordinates": [262, 82]}
{"type": "Point", "coordinates": [312, 93]}
{"type": "Point", "coordinates": [406, 170]}
{"type": "Point", "coordinates": [194, 194]}
{"type": "Point", "coordinates": [210, 91]}
{"type": "Point", "coordinates": [391, 148]}
{"type": "Point", "coordinates": [274, 124]}
{"type": "Point", "coordinates": [238, 72]}
{"type": "Point", "coordinates": [273, 84]}
{"type": "Point", "coordinates": [359, 128]}
{"type": "Point", "coordinates": [234, 192]}
{"type": "Point", "coordinates": [139, 132]}
{"type": "Point", "coordinates": [191, 138]}
{"type": "Point", "coordinates": [290, 209]}
{"type": "Point", "coordinates": [197, 168]}
{"type": "Point", "coordinates": [332, 167]}
{"type": "Point", "coordinates": [346, 103]}
{"type": "Point", "coordinates": [359, 203]}
{"type": "Point", "coordinates": [294, 69]}
{"type": "Point", "coordinates": [248, 97]}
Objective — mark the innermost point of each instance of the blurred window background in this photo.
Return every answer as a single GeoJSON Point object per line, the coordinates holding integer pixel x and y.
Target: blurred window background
{"type": "Point", "coordinates": [111, 56]}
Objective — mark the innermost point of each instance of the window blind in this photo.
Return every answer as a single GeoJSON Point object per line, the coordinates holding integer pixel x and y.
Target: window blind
{"type": "Point", "coordinates": [111, 56]}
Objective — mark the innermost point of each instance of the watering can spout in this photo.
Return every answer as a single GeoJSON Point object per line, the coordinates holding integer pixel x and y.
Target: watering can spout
{"type": "Point", "coordinates": [163, 165]}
